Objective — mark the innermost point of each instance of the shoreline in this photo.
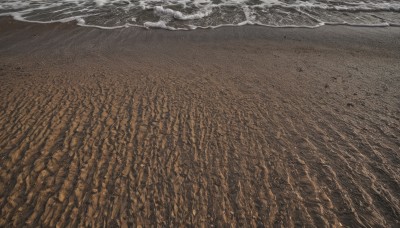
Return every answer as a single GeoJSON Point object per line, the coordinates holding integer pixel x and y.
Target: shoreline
{"type": "Point", "coordinates": [234, 126]}
{"type": "Point", "coordinates": [78, 23]}
{"type": "Point", "coordinates": [324, 35]}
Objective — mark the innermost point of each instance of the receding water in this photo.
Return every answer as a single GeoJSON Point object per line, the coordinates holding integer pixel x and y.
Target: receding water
{"type": "Point", "coordinates": [191, 14]}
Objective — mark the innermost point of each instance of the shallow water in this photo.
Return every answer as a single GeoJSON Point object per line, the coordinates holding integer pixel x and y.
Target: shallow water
{"type": "Point", "coordinates": [191, 14]}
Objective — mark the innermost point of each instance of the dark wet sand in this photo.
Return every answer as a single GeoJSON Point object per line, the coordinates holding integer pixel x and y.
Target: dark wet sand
{"type": "Point", "coordinates": [247, 126]}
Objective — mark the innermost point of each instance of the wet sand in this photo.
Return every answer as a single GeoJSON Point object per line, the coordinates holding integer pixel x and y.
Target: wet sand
{"type": "Point", "coordinates": [247, 126]}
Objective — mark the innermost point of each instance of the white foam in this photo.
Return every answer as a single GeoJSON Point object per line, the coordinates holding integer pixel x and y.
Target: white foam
{"type": "Point", "coordinates": [80, 21]}
{"type": "Point", "coordinates": [159, 10]}
{"type": "Point", "coordinates": [158, 24]}
{"type": "Point", "coordinates": [101, 2]}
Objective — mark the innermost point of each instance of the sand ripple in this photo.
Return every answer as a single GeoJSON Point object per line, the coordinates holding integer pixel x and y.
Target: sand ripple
{"type": "Point", "coordinates": [149, 143]}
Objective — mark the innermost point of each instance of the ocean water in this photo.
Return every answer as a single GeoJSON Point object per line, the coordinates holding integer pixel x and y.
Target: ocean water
{"type": "Point", "coordinates": [192, 14]}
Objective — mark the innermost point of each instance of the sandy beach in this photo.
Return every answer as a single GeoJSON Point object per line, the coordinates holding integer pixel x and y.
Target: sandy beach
{"type": "Point", "coordinates": [232, 127]}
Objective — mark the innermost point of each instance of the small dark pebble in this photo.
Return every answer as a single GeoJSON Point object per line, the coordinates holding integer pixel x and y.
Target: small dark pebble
{"type": "Point", "coordinates": [18, 68]}
{"type": "Point", "coordinates": [326, 86]}
{"type": "Point", "coordinates": [350, 105]}
{"type": "Point", "coordinates": [299, 69]}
